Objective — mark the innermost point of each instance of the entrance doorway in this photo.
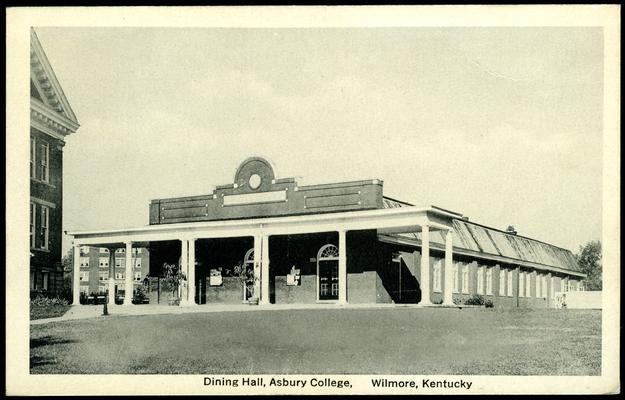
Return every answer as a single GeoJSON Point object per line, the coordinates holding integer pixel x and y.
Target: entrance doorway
{"type": "Point", "coordinates": [328, 273]}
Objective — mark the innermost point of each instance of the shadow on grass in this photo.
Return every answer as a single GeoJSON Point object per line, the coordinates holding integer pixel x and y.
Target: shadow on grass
{"type": "Point", "coordinates": [38, 343]}
{"type": "Point", "coordinates": [36, 361]}
{"type": "Point", "coordinates": [49, 340]}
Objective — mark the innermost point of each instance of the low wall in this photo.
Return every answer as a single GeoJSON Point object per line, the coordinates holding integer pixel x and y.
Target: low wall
{"type": "Point", "coordinates": [304, 293]}
{"type": "Point", "coordinates": [578, 300]}
{"type": "Point", "coordinates": [230, 292]}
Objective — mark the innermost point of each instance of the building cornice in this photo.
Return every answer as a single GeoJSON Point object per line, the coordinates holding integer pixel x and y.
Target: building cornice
{"type": "Point", "coordinates": [48, 122]}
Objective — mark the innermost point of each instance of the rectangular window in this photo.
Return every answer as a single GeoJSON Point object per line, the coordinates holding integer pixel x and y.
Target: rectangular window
{"type": "Point", "coordinates": [528, 285]}
{"type": "Point", "coordinates": [437, 276]}
{"type": "Point", "coordinates": [120, 262]}
{"type": "Point", "coordinates": [104, 276]}
{"type": "Point", "coordinates": [323, 290]}
{"type": "Point", "coordinates": [84, 290]}
{"type": "Point", "coordinates": [84, 262]}
{"type": "Point", "coordinates": [119, 275]}
{"type": "Point", "coordinates": [32, 280]}
{"type": "Point", "coordinates": [455, 269]}
{"type": "Point", "coordinates": [465, 278]}
{"type": "Point", "coordinates": [544, 286]}
{"type": "Point", "coordinates": [138, 278]}
{"type": "Point", "coordinates": [33, 213]}
{"type": "Point", "coordinates": [502, 282]}
{"type": "Point", "coordinates": [46, 278]}
{"type": "Point", "coordinates": [553, 287]}
{"type": "Point", "coordinates": [45, 162]}
{"type": "Point", "coordinates": [102, 289]}
{"type": "Point", "coordinates": [509, 290]}
{"type": "Point", "coordinates": [489, 281]}
{"type": "Point", "coordinates": [539, 285]}
{"type": "Point", "coordinates": [104, 262]}
{"type": "Point", "coordinates": [521, 284]}
{"type": "Point", "coordinates": [480, 280]}
{"type": "Point", "coordinates": [45, 224]}
{"type": "Point", "coordinates": [33, 156]}
{"type": "Point", "coordinates": [104, 250]}
{"type": "Point", "coordinates": [137, 262]}
{"type": "Point", "coordinates": [84, 276]}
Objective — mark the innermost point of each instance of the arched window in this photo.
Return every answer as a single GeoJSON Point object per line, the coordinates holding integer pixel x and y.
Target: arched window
{"type": "Point", "coordinates": [328, 273]}
{"type": "Point", "coordinates": [328, 252]}
{"type": "Point", "coordinates": [249, 257]}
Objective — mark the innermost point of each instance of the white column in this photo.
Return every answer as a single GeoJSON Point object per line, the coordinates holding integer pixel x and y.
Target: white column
{"type": "Point", "coordinates": [111, 280]}
{"type": "Point", "coordinates": [425, 265]}
{"type": "Point", "coordinates": [192, 271]}
{"type": "Point", "coordinates": [342, 268]}
{"type": "Point", "coordinates": [129, 275]}
{"type": "Point", "coordinates": [184, 268]}
{"type": "Point", "coordinates": [449, 272]}
{"type": "Point", "coordinates": [264, 274]}
{"type": "Point", "coordinates": [76, 283]}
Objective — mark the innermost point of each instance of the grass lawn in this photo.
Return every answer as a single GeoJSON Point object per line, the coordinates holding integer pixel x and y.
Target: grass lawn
{"type": "Point", "coordinates": [389, 341]}
{"type": "Point", "coordinates": [48, 311]}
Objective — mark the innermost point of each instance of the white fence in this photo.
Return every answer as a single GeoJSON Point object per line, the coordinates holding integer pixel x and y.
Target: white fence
{"type": "Point", "coordinates": [578, 300]}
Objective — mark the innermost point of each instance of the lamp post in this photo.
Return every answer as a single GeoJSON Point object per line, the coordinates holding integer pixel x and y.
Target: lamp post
{"type": "Point", "coordinates": [106, 302]}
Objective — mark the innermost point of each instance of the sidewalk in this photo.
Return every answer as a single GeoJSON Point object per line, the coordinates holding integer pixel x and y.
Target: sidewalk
{"type": "Point", "coordinates": [91, 311]}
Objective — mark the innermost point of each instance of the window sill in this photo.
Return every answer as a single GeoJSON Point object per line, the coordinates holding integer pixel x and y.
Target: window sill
{"type": "Point", "coordinates": [40, 249]}
{"type": "Point", "coordinates": [43, 182]}
{"type": "Point", "coordinates": [326, 301]}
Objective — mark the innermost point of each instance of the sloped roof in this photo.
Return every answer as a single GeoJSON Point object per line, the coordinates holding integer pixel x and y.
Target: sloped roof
{"type": "Point", "coordinates": [46, 85]}
{"type": "Point", "coordinates": [482, 239]}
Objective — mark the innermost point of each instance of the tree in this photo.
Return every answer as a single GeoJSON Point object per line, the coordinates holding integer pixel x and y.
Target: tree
{"type": "Point", "coordinates": [173, 278]}
{"type": "Point", "coordinates": [589, 259]}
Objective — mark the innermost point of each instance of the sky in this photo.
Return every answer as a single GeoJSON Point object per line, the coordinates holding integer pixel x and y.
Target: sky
{"type": "Point", "coordinates": [503, 125]}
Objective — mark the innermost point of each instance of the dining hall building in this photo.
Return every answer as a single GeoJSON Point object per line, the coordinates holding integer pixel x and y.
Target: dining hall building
{"type": "Point", "coordinates": [332, 243]}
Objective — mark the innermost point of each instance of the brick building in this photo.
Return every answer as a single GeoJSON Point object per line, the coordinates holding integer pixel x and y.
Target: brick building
{"type": "Point", "coordinates": [97, 264]}
{"type": "Point", "coordinates": [337, 243]}
{"type": "Point", "coordinates": [51, 119]}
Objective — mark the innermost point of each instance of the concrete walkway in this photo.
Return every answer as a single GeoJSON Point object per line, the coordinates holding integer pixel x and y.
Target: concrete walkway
{"type": "Point", "coordinates": [91, 311]}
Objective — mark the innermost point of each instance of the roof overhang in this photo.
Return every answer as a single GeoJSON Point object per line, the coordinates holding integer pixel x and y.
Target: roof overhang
{"type": "Point", "coordinates": [401, 220]}
{"type": "Point", "coordinates": [480, 255]}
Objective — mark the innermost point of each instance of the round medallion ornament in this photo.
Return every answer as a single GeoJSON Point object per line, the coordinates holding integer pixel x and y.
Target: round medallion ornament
{"type": "Point", "coordinates": [254, 181]}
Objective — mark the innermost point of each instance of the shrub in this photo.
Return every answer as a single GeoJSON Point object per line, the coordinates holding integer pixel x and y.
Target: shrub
{"type": "Point", "coordinates": [140, 294]}
{"type": "Point", "coordinates": [42, 301]}
{"type": "Point", "coordinates": [489, 303]}
{"type": "Point", "coordinates": [475, 300]}
{"type": "Point", "coordinates": [440, 301]}
{"type": "Point", "coordinates": [457, 301]}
